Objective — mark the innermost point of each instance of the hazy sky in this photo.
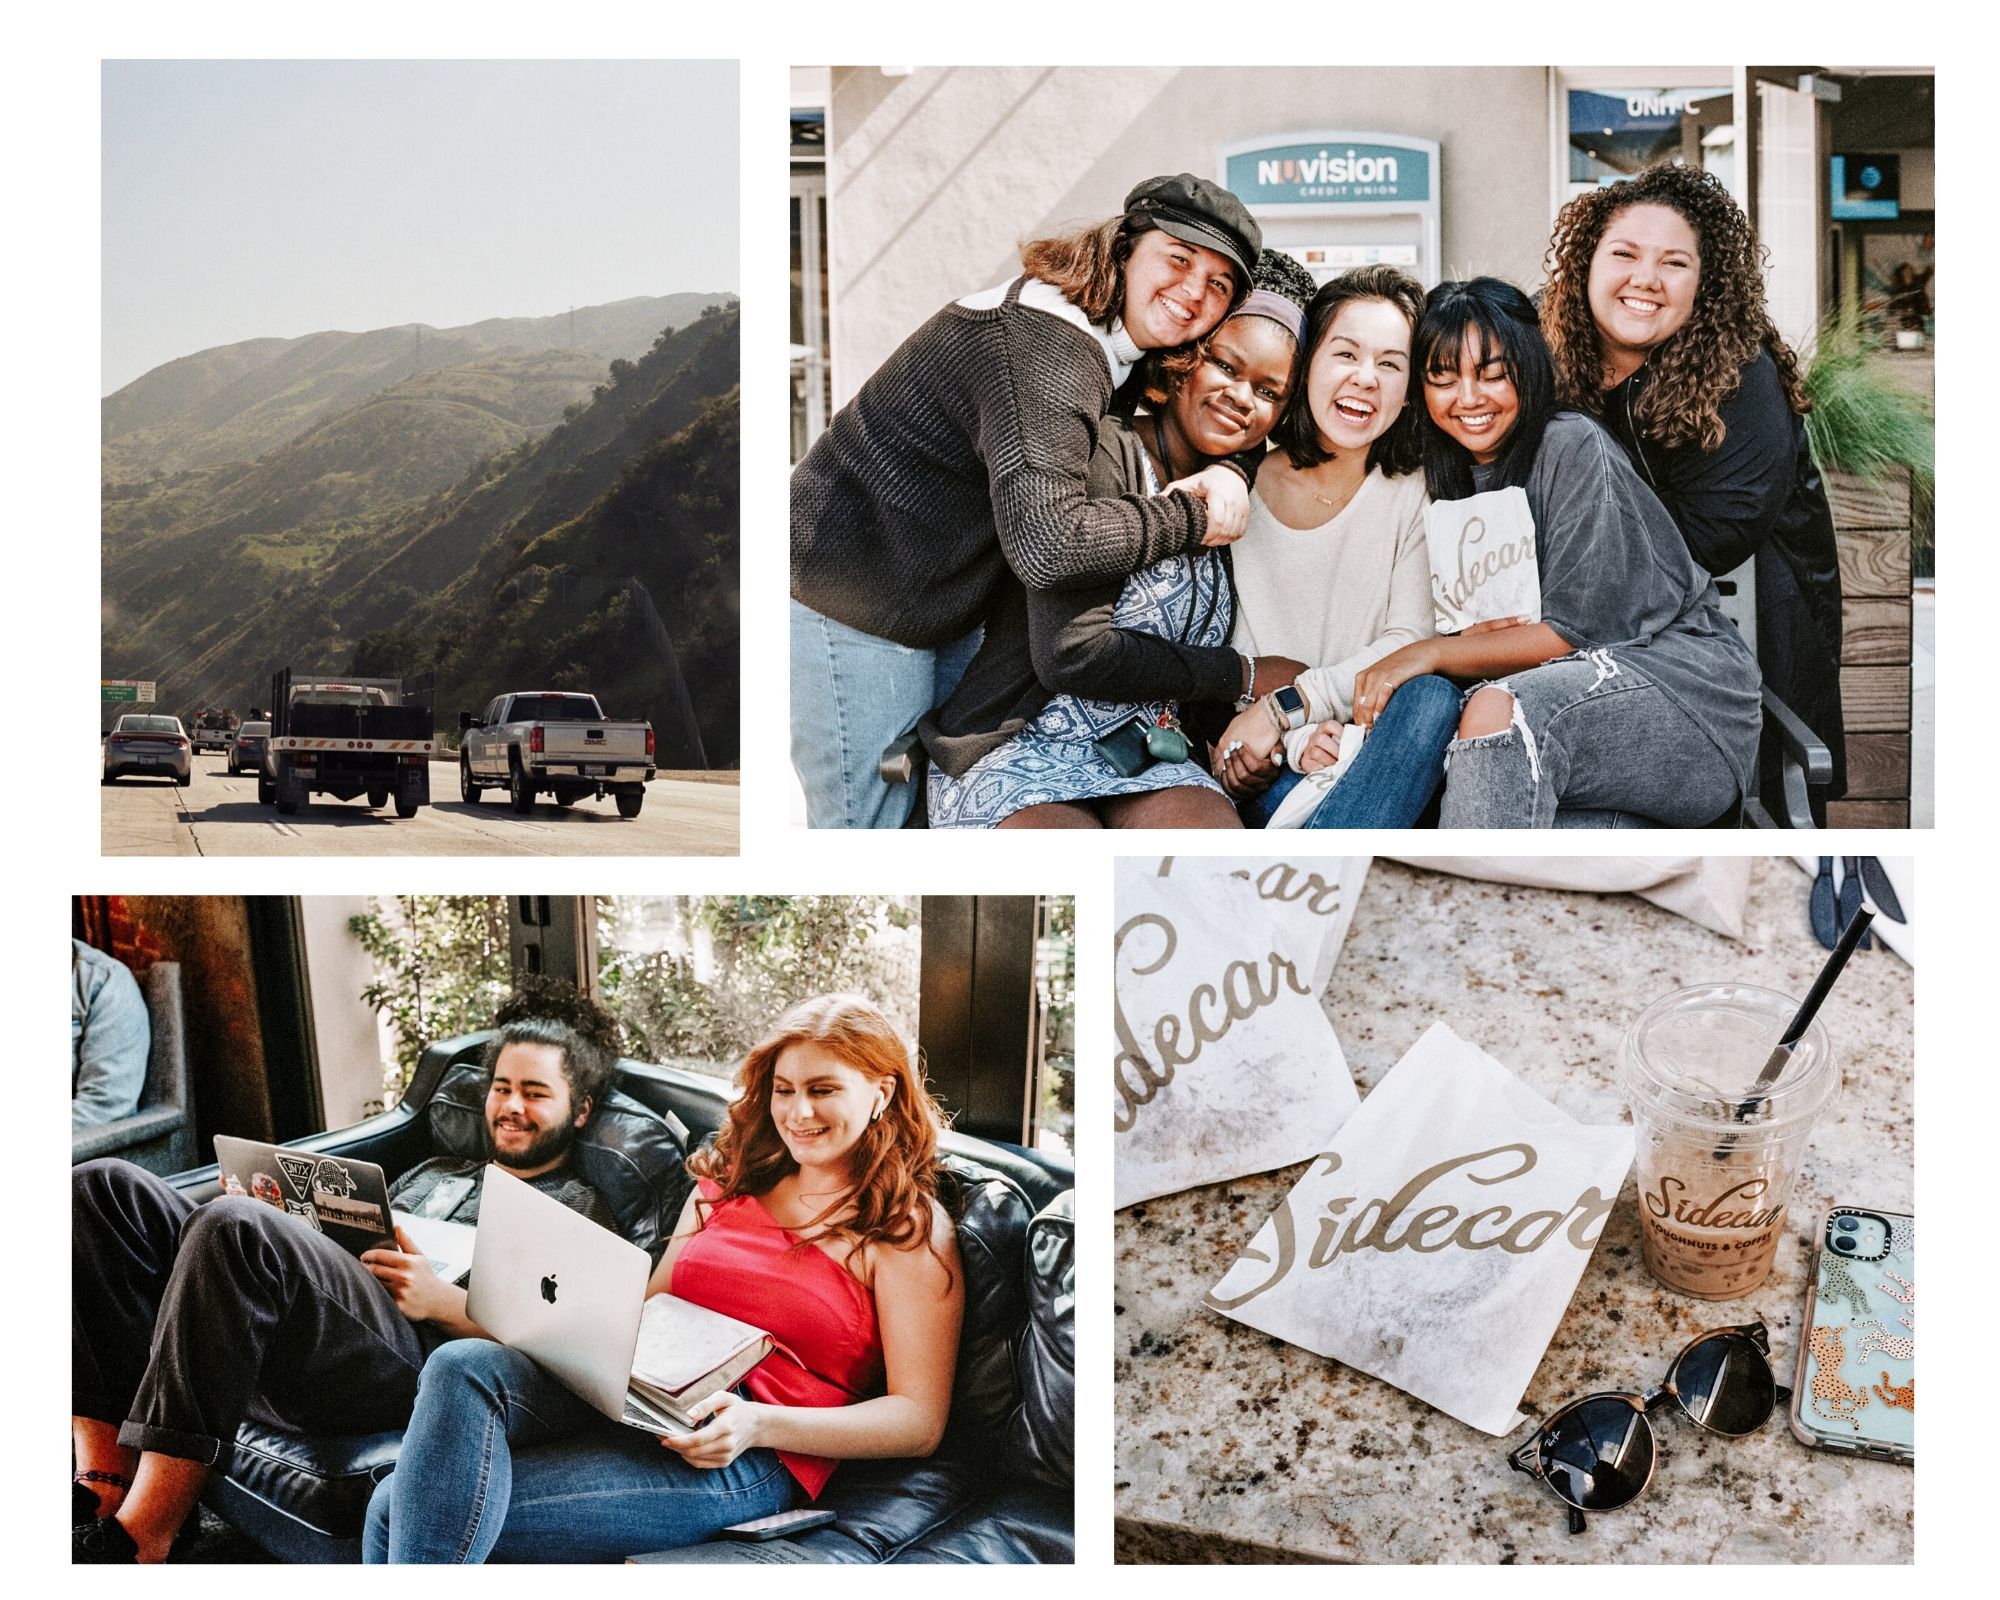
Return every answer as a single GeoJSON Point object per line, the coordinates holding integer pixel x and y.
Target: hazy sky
{"type": "Point", "coordinates": [245, 199]}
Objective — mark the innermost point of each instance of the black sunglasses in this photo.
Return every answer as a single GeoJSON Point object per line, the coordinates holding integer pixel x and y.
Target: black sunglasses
{"type": "Point", "coordinates": [1596, 1454]}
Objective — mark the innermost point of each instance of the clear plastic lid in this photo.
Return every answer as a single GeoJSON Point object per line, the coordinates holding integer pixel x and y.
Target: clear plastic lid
{"type": "Point", "coordinates": [1693, 1059]}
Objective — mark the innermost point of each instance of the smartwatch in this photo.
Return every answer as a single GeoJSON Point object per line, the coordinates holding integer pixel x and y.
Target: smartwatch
{"type": "Point", "coordinates": [1291, 705]}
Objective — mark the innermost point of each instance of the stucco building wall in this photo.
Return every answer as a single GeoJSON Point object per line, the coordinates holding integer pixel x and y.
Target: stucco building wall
{"type": "Point", "coordinates": [936, 176]}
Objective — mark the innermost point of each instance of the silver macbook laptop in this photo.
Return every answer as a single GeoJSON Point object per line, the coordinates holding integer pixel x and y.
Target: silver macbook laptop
{"type": "Point", "coordinates": [549, 1282]}
{"type": "Point", "coordinates": [344, 1198]}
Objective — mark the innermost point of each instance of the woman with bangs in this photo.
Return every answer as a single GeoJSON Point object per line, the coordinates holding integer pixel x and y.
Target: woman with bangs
{"type": "Point", "coordinates": [1028, 739]}
{"type": "Point", "coordinates": [815, 1217]}
{"type": "Point", "coordinates": [1656, 320]}
{"type": "Point", "coordinates": [961, 468]}
{"type": "Point", "coordinates": [1633, 700]}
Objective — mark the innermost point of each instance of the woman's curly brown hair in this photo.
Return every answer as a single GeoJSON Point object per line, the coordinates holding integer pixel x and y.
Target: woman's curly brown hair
{"type": "Point", "coordinates": [894, 1165]}
{"type": "Point", "coordinates": [1701, 366]}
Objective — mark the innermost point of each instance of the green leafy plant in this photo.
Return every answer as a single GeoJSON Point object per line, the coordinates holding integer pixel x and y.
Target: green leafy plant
{"type": "Point", "coordinates": [734, 962]}
{"type": "Point", "coordinates": [1864, 421]}
{"type": "Point", "coordinates": [441, 968]}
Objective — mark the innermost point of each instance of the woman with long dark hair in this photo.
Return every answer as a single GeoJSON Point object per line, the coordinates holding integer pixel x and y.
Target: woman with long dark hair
{"type": "Point", "coordinates": [1633, 698]}
{"type": "Point", "coordinates": [961, 466]}
{"type": "Point", "coordinates": [1334, 574]}
{"type": "Point", "coordinates": [815, 1217]}
{"type": "Point", "coordinates": [1656, 321]}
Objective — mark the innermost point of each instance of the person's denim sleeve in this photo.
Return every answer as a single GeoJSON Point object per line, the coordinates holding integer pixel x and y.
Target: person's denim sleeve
{"type": "Point", "coordinates": [110, 1064]}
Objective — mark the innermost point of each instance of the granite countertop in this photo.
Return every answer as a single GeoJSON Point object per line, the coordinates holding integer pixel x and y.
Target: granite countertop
{"type": "Point", "coordinates": [1234, 1446]}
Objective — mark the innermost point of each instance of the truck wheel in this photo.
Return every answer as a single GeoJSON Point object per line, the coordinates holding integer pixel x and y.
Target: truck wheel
{"type": "Point", "coordinates": [469, 787]}
{"type": "Point", "coordinates": [182, 782]}
{"type": "Point", "coordinates": [265, 793]}
{"type": "Point", "coordinates": [405, 806]}
{"type": "Point", "coordinates": [629, 804]}
{"type": "Point", "coordinates": [288, 808]}
{"type": "Point", "coordinates": [377, 798]}
{"type": "Point", "coordinates": [520, 792]}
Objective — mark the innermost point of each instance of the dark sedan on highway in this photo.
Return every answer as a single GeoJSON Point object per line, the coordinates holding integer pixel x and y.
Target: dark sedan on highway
{"type": "Point", "coordinates": [153, 747]}
{"type": "Point", "coordinates": [246, 750]}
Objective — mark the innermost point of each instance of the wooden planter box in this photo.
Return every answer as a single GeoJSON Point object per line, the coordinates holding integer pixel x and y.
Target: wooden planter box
{"type": "Point", "coordinates": [1871, 520]}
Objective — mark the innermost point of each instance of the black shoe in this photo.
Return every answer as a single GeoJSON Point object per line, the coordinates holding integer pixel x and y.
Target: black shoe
{"type": "Point", "coordinates": [84, 1506]}
{"type": "Point", "coordinates": [105, 1542]}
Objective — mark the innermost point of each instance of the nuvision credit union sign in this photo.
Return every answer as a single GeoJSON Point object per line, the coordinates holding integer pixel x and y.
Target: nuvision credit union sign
{"type": "Point", "coordinates": [1332, 170]}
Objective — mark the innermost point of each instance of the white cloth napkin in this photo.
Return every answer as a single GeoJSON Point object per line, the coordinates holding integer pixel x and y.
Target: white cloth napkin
{"type": "Point", "coordinates": [1709, 890]}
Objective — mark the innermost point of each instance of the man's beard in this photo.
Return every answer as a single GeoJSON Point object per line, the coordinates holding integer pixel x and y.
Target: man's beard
{"type": "Point", "coordinates": [545, 1147]}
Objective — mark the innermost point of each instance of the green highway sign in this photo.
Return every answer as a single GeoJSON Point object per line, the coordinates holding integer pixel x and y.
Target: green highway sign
{"type": "Point", "coordinates": [126, 691]}
{"type": "Point", "coordinates": [121, 691]}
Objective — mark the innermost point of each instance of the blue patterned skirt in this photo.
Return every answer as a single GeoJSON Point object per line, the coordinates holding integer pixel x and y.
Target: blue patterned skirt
{"type": "Point", "coordinates": [1052, 759]}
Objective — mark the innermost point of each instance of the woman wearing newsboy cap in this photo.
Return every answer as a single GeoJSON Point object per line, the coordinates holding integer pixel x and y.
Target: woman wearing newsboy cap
{"type": "Point", "coordinates": [960, 466]}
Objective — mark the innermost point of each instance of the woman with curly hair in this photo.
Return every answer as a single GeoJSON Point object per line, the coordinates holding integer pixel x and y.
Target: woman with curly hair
{"type": "Point", "coordinates": [1021, 743]}
{"type": "Point", "coordinates": [1655, 317]}
{"type": "Point", "coordinates": [1632, 697]}
{"type": "Point", "coordinates": [961, 467]}
{"type": "Point", "coordinates": [815, 1217]}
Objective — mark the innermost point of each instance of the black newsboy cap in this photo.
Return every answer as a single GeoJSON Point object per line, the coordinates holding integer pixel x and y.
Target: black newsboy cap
{"type": "Point", "coordinates": [1197, 211]}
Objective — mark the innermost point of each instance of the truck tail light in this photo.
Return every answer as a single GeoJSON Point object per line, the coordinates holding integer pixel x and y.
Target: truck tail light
{"type": "Point", "coordinates": [649, 744]}
{"type": "Point", "coordinates": [535, 740]}
{"type": "Point", "coordinates": [416, 761]}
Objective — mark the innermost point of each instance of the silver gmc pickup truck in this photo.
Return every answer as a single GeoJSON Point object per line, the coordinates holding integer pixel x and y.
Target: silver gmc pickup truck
{"type": "Point", "coordinates": [556, 743]}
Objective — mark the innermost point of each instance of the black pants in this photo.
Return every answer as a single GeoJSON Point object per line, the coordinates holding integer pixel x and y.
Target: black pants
{"type": "Point", "coordinates": [186, 1319]}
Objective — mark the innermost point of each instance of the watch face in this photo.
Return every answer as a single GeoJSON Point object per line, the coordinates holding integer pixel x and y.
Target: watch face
{"type": "Point", "coordinates": [1290, 701]}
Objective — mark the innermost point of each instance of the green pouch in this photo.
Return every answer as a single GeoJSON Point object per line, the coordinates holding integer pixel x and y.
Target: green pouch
{"type": "Point", "coordinates": [1126, 748]}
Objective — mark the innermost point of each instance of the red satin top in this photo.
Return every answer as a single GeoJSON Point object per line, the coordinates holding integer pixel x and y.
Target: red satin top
{"type": "Point", "coordinates": [744, 1265]}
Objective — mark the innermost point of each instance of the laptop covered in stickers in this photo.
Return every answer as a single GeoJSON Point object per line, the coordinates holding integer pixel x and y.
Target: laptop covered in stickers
{"type": "Point", "coordinates": [345, 1199]}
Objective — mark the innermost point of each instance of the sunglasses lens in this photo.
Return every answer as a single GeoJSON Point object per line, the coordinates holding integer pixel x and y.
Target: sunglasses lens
{"type": "Point", "coordinates": [1598, 1454]}
{"type": "Point", "coordinates": [1725, 1384]}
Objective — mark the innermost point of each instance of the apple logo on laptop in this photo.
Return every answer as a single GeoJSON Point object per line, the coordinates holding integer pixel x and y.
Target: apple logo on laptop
{"type": "Point", "coordinates": [549, 1288]}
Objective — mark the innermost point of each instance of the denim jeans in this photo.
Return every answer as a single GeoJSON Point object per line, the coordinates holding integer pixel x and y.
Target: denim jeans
{"type": "Point", "coordinates": [1590, 732]}
{"type": "Point", "coordinates": [186, 1319]}
{"type": "Point", "coordinates": [501, 1462]}
{"type": "Point", "coordinates": [853, 695]}
{"type": "Point", "coordinates": [1399, 768]}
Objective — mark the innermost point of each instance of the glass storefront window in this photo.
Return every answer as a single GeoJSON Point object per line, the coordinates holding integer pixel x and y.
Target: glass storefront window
{"type": "Point", "coordinates": [1614, 133]}
{"type": "Point", "coordinates": [441, 968]}
{"type": "Point", "coordinates": [696, 979]}
{"type": "Point", "coordinates": [1054, 1117]}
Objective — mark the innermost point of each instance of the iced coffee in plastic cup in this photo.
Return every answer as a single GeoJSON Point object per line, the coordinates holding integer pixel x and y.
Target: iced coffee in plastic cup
{"type": "Point", "coordinates": [1717, 1155]}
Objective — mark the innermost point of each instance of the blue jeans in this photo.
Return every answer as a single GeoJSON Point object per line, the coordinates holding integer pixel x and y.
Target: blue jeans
{"type": "Point", "coordinates": [1590, 733]}
{"type": "Point", "coordinates": [853, 695]}
{"type": "Point", "coordinates": [1399, 768]}
{"type": "Point", "coordinates": [581, 1488]}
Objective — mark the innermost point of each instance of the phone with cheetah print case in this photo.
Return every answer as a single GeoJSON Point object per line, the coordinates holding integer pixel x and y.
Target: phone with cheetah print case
{"type": "Point", "coordinates": [1856, 1386]}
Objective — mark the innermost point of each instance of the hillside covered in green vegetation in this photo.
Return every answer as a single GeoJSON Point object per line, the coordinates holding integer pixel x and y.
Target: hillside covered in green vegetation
{"type": "Point", "coordinates": [484, 520]}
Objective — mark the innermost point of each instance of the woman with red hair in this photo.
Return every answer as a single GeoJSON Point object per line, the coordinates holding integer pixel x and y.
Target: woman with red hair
{"type": "Point", "coordinates": [815, 1217]}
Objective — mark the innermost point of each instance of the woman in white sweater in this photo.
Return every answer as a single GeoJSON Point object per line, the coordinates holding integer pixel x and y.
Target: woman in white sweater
{"type": "Point", "coordinates": [1333, 574]}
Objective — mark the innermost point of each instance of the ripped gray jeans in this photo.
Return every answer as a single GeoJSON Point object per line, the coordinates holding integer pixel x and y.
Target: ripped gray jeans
{"type": "Point", "coordinates": [1590, 732]}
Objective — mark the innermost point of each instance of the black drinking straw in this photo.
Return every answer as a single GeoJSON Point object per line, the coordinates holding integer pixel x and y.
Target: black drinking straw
{"type": "Point", "coordinates": [1850, 936]}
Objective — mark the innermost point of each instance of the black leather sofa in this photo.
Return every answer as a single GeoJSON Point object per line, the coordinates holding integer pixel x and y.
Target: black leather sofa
{"type": "Point", "coordinates": [999, 1489]}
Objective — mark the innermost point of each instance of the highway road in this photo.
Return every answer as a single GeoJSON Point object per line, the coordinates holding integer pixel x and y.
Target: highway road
{"type": "Point", "coordinates": [218, 815]}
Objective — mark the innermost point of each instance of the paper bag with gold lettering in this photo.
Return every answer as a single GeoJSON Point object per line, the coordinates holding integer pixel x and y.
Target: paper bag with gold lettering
{"type": "Point", "coordinates": [1313, 896]}
{"type": "Point", "coordinates": [1226, 1064]}
{"type": "Point", "coordinates": [1483, 563]}
{"type": "Point", "coordinates": [1438, 1241]}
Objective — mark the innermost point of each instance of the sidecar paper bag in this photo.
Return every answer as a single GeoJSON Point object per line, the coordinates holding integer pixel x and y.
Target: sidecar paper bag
{"type": "Point", "coordinates": [1439, 1240]}
{"type": "Point", "coordinates": [1313, 896]}
{"type": "Point", "coordinates": [1483, 559]}
{"type": "Point", "coordinates": [1226, 1065]}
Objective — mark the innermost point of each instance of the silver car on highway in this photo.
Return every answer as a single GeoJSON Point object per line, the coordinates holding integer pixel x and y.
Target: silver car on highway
{"type": "Point", "coordinates": [148, 746]}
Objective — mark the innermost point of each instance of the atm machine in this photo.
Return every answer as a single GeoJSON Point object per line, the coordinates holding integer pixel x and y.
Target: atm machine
{"type": "Point", "coordinates": [1340, 200]}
